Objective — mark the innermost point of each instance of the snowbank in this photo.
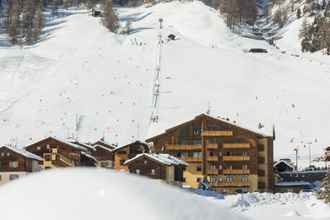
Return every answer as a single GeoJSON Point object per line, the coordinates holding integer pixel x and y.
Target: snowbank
{"type": "Point", "coordinates": [86, 194]}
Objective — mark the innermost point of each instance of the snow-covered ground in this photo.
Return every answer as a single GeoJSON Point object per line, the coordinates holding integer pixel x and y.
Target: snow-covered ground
{"type": "Point", "coordinates": [107, 194]}
{"type": "Point", "coordinates": [290, 206]}
{"type": "Point", "coordinates": [101, 194]}
{"type": "Point", "coordinates": [82, 70]}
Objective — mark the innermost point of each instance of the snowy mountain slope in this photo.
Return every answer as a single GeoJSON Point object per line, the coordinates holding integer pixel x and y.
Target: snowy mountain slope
{"type": "Point", "coordinates": [83, 70]}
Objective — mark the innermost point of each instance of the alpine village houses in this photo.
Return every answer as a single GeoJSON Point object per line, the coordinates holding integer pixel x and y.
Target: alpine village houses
{"type": "Point", "coordinates": [229, 158]}
{"type": "Point", "coordinates": [208, 150]}
{"type": "Point", "coordinates": [15, 163]}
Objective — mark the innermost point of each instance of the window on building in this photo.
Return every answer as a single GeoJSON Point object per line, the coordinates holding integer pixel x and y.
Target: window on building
{"type": "Point", "coordinates": [245, 167]}
{"type": "Point", "coordinates": [153, 172]}
{"type": "Point", "coordinates": [47, 156]}
{"type": "Point", "coordinates": [197, 131]}
{"type": "Point", "coordinates": [13, 176]}
{"type": "Point", "coordinates": [244, 178]}
{"type": "Point", "coordinates": [245, 153]}
{"type": "Point", "coordinates": [2, 154]}
{"type": "Point", "coordinates": [198, 168]}
{"type": "Point", "coordinates": [38, 148]}
{"type": "Point", "coordinates": [211, 153]}
{"type": "Point", "coordinates": [145, 162]}
{"type": "Point", "coordinates": [137, 171]}
{"type": "Point", "coordinates": [104, 164]}
{"type": "Point", "coordinates": [198, 180]}
{"type": "Point", "coordinates": [8, 154]}
{"type": "Point", "coordinates": [13, 164]}
{"type": "Point", "coordinates": [48, 146]}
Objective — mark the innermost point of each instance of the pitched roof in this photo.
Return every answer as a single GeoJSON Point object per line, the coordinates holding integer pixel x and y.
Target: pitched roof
{"type": "Point", "coordinates": [165, 159]}
{"type": "Point", "coordinates": [24, 153]}
{"type": "Point", "coordinates": [127, 145]}
{"type": "Point", "coordinates": [103, 147]}
{"type": "Point", "coordinates": [62, 141]}
{"type": "Point", "coordinates": [285, 162]}
{"type": "Point", "coordinates": [157, 132]}
{"type": "Point", "coordinates": [104, 143]}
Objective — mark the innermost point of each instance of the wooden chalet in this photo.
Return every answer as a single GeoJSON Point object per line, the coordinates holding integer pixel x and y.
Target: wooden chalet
{"type": "Point", "coordinates": [101, 142]}
{"type": "Point", "coordinates": [157, 166]}
{"type": "Point", "coordinates": [15, 163]}
{"type": "Point", "coordinates": [57, 153]}
{"type": "Point", "coordinates": [230, 158]}
{"type": "Point", "coordinates": [327, 154]}
{"type": "Point", "coordinates": [123, 153]}
{"type": "Point", "coordinates": [104, 156]}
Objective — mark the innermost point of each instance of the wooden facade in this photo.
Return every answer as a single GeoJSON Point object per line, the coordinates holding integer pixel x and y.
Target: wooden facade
{"type": "Point", "coordinates": [229, 157]}
{"type": "Point", "coordinates": [16, 162]}
{"type": "Point", "coordinates": [151, 166]}
{"type": "Point", "coordinates": [57, 153]}
{"type": "Point", "coordinates": [121, 154]}
{"type": "Point", "coordinates": [104, 156]}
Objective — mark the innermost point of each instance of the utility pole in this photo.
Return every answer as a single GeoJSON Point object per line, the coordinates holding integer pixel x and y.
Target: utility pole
{"type": "Point", "coordinates": [156, 87]}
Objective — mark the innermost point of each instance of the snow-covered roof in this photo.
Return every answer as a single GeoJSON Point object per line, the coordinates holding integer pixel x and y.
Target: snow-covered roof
{"type": "Point", "coordinates": [103, 147]}
{"type": "Point", "coordinates": [132, 143]}
{"type": "Point", "coordinates": [159, 129]}
{"type": "Point", "coordinates": [88, 155]}
{"type": "Point", "coordinates": [24, 153]}
{"type": "Point", "coordinates": [69, 143]}
{"type": "Point", "coordinates": [165, 159]}
{"type": "Point", "coordinates": [103, 142]}
{"type": "Point", "coordinates": [285, 162]}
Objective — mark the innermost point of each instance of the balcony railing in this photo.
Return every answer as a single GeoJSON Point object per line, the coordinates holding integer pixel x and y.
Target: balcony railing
{"type": "Point", "coordinates": [217, 133]}
{"type": "Point", "coordinates": [213, 172]}
{"type": "Point", "coordinates": [181, 147]}
{"type": "Point", "coordinates": [192, 159]}
{"type": "Point", "coordinates": [236, 171]}
{"type": "Point", "coordinates": [212, 146]}
{"type": "Point", "coordinates": [236, 158]}
{"type": "Point", "coordinates": [212, 158]}
{"type": "Point", "coordinates": [231, 184]}
{"type": "Point", "coordinates": [236, 146]}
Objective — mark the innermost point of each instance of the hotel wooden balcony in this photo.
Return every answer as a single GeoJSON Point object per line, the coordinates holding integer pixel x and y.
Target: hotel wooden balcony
{"type": "Point", "coordinates": [192, 159]}
{"type": "Point", "coordinates": [217, 133]}
{"type": "Point", "coordinates": [231, 184]}
{"type": "Point", "coordinates": [182, 147]}
{"type": "Point", "coordinates": [236, 146]}
{"type": "Point", "coordinates": [236, 158]}
{"type": "Point", "coordinates": [212, 158]}
{"type": "Point", "coordinates": [212, 146]}
{"type": "Point", "coordinates": [213, 172]}
{"type": "Point", "coordinates": [235, 171]}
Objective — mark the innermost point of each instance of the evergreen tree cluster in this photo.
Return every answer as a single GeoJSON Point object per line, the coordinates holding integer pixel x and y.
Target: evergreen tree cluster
{"type": "Point", "coordinates": [24, 21]}
{"type": "Point", "coordinates": [316, 36]}
{"type": "Point", "coordinates": [238, 11]}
